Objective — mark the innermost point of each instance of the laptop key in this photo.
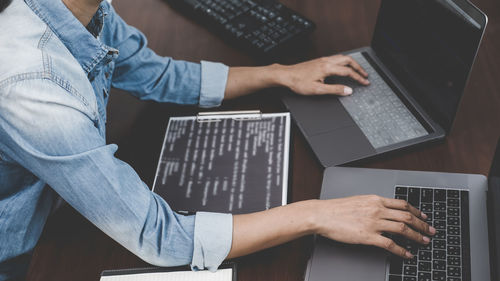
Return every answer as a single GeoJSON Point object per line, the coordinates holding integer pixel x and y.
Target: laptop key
{"type": "Point", "coordinates": [409, 278]}
{"type": "Point", "coordinates": [424, 276]}
{"type": "Point", "coordinates": [453, 250]}
{"type": "Point", "coordinates": [439, 224]}
{"type": "Point", "coordinates": [439, 275]}
{"type": "Point", "coordinates": [453, 211]}
{"type": "Point", "coordinates": [440, 234]}
{"type": "Point", "coordinates": [439, 206]}
{"type": "Point", "coordinates": [427, 195]}
{"type": "Point", "coordinates": [410, 270]}
{"type": "Point", "coordinates": [425, 255]}
{"type": "Point", "coordinates": [424, 266]}
{"type": "Point", "coordinates": [453, 202]}
{"type": "Point", "coordinates": [414, 196]}
{"type": "Point", "coordinates": [454, 271]}
{"type": "Point", "coordinates": [453, 261]}
{"type": "Point", "coordinates": [453, 221]}
{"type": "Point", "coordinates": [439, 194]}
{"type": "Point", "coordinates": [453, 230]}
{"type": "Point", "coordinates": [401, 197]}
{"type": "Point", "coordinates": [439, 244]}
{"type": "Point", "coordinates": [439, 215]}
{"type": "Point", "coordinates": [439, 254]}
{"type": "Point", "coordinates": [453, 194]}
{"type": "Point", "coordinates": [453, 240]}
{"type": "Point", "coordinates": [426, 207]}
{"type": "Point", "coordinates": [454, 279]}
{"type": "Point", "coordinates": [401, 190]}
{"type": "Point", "coordinates": [439, 265]}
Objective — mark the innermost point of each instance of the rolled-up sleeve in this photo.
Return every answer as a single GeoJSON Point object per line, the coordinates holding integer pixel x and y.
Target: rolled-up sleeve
{"type": "Point", "coordinates": [213, 83]}
{"type": "Point", "coordinates": [53, 135]}
{"type": "Point", "coordinates": [212, 240]}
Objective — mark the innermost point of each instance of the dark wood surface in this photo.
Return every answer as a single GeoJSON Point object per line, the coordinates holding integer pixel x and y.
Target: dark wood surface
{"type": "Point", "coordinates": [73, 249]}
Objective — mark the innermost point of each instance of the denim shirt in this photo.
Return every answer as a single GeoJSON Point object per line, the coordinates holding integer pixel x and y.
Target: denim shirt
{"type": "Point", "coordinates": [55, 77]}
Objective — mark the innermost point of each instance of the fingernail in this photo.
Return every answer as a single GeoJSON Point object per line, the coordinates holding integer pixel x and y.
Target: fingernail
{"type": "Point", "coordinates": [426, 239]}
{"type": "Point", "coordinates": [409, 255]}
{"type": "Point", "coordinates": [347, 90]}
{"type": "Point", "coordinates": [424, 215]}
{"type": "Point", "coordinates": [367, 82]}
{"type": "Point", "coordinates": [432, 230]}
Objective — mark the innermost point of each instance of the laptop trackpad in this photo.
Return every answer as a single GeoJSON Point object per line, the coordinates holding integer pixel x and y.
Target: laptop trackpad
{"type": "Point", "coordinates": [319, 114]}
{"type": "Point", "coordinates": [334, 261]}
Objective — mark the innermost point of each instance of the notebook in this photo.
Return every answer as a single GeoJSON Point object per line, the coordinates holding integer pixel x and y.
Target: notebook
{"type": "Point", "coordinates": [226, 272]}
{"type": "Point", "coordinates": [230, 162]}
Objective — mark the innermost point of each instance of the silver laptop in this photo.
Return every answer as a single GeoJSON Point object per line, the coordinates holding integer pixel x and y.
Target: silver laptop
{"type": "Point", "coordinates": [464, 209]}
{"type": "Point", "coordinates": [419, 61]}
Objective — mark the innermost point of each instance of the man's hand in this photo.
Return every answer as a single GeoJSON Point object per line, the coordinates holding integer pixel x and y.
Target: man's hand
{"type": "Point", "coordinates": [363, 220]}
{"type": "Point", "coordinates": [305, 78]}
{"type": "Point", "coordinates": [355, 220]}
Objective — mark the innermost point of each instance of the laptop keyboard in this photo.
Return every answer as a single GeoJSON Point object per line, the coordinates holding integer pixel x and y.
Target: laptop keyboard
{"type": "Point", "coordinates": [447, 257]}
{"type": "Point", "coordinates": [378, 111]}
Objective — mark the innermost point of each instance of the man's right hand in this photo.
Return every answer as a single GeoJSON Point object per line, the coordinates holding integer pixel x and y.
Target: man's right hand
{"type": "Point", "coordinates": [363, 220]}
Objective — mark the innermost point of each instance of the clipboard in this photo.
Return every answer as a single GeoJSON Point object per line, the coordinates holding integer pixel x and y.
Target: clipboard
{"type": "Point", "coordinates": [165, 273]}
{"type": "Point", "coordinates": [205, 135]}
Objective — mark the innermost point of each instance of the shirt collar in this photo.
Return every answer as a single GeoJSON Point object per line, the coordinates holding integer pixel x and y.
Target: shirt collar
{"type": "Point", "coordinates": [85, 48]}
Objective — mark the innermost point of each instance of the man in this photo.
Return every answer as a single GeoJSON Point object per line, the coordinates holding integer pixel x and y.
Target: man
{"type": "Point", "coordinates": [58, 61]}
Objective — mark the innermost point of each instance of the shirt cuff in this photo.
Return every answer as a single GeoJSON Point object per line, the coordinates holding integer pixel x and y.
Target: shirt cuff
{"type": "Point", "coordinates": [213, 83]}
{"type": "Point", "coordinates": [213, 237]}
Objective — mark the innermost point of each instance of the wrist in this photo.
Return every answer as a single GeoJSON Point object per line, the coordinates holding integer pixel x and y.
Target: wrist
{"type": "Point", "coordinates": [277, 75]}
{"type": "Point", "coordinates": [308, 212]}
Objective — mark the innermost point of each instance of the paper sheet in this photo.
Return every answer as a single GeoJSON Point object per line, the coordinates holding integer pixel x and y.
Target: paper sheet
{"type": "Point", "coordinates": [220, 275]}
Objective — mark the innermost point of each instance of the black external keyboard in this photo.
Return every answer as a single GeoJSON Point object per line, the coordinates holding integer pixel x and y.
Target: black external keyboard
{"type": "Point", "coordinates": [447, 257]}
{"type": "Point", "coordinates": [260, 26]}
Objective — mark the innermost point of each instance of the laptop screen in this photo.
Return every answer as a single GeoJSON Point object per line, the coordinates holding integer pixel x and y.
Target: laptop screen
{"type": "Point", "coordinates": [430, 46]}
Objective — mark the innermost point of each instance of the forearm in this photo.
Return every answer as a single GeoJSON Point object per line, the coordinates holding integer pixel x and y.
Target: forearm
{"type": "Point", "coordinates": [257, 231]}
{"type": "Point", "coordinates": [245, 80]}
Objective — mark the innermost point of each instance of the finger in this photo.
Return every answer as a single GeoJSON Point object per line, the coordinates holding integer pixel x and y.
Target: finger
{"type": "Point", "coordinates": [403, 229]}
{"type": "Point", "coordinates": [347, 71]}
{"type": "Point", "coordinates": [402, 205]}
{"type": "Point", "coordinates": [391, 246]}
{"type": "Point", "coordinates": [348, 60]}
{"type": "Point", "coordinates": [332, 89]}
{"type": "Point", "coordinates": [409, 219]}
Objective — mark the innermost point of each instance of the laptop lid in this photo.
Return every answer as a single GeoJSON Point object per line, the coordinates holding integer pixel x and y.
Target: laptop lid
{"type": "Point", "coordinates": [494, 214]}
{"type": "Point", "coordinates": [430, 46]}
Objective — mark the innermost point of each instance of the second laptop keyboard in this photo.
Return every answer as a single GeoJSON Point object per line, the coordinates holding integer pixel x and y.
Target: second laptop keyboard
{"type": "Point", "coordinates": [377, 110]}
{"type": "Point", "coordinates": [261, 26]}
{"type": "Point", "coordinates": [447, 257]}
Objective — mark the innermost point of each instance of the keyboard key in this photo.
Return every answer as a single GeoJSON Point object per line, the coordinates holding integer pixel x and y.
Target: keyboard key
{"type": "Point", "coordinates": [439, 206]}
{"type": "Point", "coordinates": [410, 270]}
{"type": "Point", "coordinates": [439, 215]}
{"type": "Point", "coordinates": [424, 266]}
{"type": "Point", "coordinates": [453, 193]}
{"type": "Point", "coordinates": [426, 207]}
{"type": "Point", "coordinates": [401, 190]}
{"type": "Point", "coordinates": [454, 271]}
{"type": "Point", "coordinates": [409, 278]}
{"type": "Point", "coordinates": [453, 221]}
{"type": "Point", "coordinates": [454, 261]}
{"type": "Point", "coordinates": [453, 250]}
{"type": "Point", "coordinates": [452, 211]}
{"type": "Point", "coordinates": [439, 194]}
{"type": "Point", "coordinates": [424, 276]}
{"type": "Point", "coordinates": [439, 254]}
{"type": "Point", "coordinates": [439, 224]}
{"type": "Point", "coordinates": [439, 265]}
{"type": "Point", "coordinates": [453, 279]}
{"type": "Point", "coordinates": [453, 202]}
{"type": "Point", "coordinates": [453, 240]}
{"type": "Point", "coordinates": [453, 230]}
{"type": "Point", "coordinates": [440, 234]}
{"type": "Point", "coordinates": [439, 244]}
{"type": "Point", "coordinates": [424, 255]}
{"type": "Point", "coordinates": [438, 275]}
{"type": "Point", "coordinates": [412, 261]}
{"type": "Point", "coordinates": [401, 197]}
{"type": "Point", "coordinates": [427, 195]}
{"type": "Point", "coordinates": [414, 196]}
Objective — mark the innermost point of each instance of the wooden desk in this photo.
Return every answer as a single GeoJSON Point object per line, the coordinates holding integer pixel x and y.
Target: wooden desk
{"type": "Point", "coordinates": [73, 249]}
